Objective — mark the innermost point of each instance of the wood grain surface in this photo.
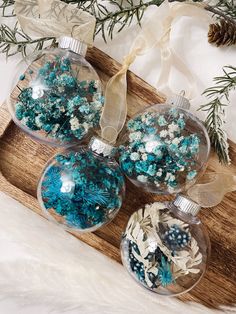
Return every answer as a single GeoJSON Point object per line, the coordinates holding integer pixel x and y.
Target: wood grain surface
{"type": "Point", "coordinates": [22, 160]}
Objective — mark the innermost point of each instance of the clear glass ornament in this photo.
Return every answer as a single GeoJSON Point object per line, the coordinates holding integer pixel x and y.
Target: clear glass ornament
{"type": "Point", "coordinates": [57, 96]}
{"type": "Point", "coordinates": [82, 189]}
{"type": "Point", "coordinates": [165, 247]}
{"type": "Point", "coordinates": [164, 149]}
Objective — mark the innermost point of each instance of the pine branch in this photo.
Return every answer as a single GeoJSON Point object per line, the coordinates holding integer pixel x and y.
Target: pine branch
{"type": "Point", "coordinates": [108, 21]}
{"type": "Point", "coordinates": [122, 16]}
{"type": "Point", "coordinates": [5, 6]}
{"type": "Point", "coordinates": [13, 41]}
{"type": "Point", "coordinates": [226, 7]}
{"type": "Point", "coordinates": [223, 9]}
{"type": "Point", "coordinates": [215, 109]}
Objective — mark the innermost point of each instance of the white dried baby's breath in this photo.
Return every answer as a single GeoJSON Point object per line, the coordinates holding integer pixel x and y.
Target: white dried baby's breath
{"type": "Point", "coordinates": [163, 133]}
{"type": "Point", "coordinates": [142, 178]}
{"type": "Point", "coordinates": [74, 122]}
{"type": "Point", "coordinates": [143, 230]}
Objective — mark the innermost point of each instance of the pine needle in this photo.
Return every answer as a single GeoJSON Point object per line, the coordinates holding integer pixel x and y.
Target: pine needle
{"type": "Point", "coordinates": [228, 7]}
{"type": "Point", "coordinates": [5, 6]}
{"type": "Point", "coordinates": [14, 40]}
{"type": "Point", "coordinates": [215, 120]}
{"type": "Point", "coordinates": [109, 21]}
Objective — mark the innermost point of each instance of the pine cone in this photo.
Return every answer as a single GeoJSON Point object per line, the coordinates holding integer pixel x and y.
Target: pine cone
{"type": "Point", "coordinates": [222, 33]}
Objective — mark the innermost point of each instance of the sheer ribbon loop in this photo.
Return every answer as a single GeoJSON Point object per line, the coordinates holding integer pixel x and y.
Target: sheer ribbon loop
{"type": "Point", "coordinates": [155, 32]}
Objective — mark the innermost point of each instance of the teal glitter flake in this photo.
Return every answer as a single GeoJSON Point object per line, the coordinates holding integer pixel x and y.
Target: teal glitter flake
{"type": "Point", "coordinates": [85, 200]}
{"type": "Point", "coordinates": [59, 105]}
{"type": "Point", "coordinates": [159, 152]}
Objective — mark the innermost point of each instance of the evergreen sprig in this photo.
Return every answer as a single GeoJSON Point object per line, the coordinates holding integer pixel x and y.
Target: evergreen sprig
{"type": "Point", "coordinates": [5, 5]}
{"type": "Point", "coordinates": [215, 120]}
{"type": "Point", "coordinates": [14, 40]}
{"type": "Point", "coordinates": [118, 15]}
{"type": "Point", "coordinates": [227, 7]}
{"type": "Point", "coordinates": [121, 16]}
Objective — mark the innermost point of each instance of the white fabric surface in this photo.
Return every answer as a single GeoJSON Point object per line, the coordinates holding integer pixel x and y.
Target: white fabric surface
{"type": "Point", "coordinates": [189, 39]}
{"type": "Point", "coordinates": [25, 237]}
{"type": "Point", "coordinates": [43, 269]}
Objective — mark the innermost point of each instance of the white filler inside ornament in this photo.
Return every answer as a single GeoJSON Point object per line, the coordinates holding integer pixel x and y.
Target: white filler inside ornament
{"type": "Point", "coordinates": [165, 247]}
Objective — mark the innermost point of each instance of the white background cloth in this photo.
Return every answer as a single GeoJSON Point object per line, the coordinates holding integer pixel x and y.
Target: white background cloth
{"type": "Point", "coordinates": [189, 38]}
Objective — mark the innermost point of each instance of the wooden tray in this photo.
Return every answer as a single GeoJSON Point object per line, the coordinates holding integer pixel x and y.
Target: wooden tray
{"type": "Point", "coordinates": [22, 160]}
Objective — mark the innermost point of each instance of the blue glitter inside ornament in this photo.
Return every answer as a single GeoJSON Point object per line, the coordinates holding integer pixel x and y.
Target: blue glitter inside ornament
{"type": "Point", "coordinates": [82, 189]}
{"type": "Point", "coordinates": [57, 104]}
{"type": "Point", "coordinates": [162, 149]}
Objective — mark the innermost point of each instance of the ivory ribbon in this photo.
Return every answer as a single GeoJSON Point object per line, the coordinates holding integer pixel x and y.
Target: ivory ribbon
{"type": "Point", "coordinates": [212, 189]}
{"type": "Point", "coordinates": [169, 58]}
{"type": "Point", "coordinates": [115, 108]}
{"type": "Point", "coordinates": [53, 18]}
{"type": "Point", "coordinates": [155, 32]}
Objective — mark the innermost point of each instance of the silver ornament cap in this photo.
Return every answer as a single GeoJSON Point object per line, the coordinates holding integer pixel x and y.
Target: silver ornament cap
{"type": "Point", "coordinates": [186, 205]}
{"type": "Point", "coordinates": [179, 101]}
{"type": "Point", "coordinates": [66, 42]}
{"type": "Point", "coordinates": [101, 147]}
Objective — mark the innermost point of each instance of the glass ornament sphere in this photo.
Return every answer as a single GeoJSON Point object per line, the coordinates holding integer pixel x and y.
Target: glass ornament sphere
{"type": "Point", "coordinates": [80, 189]}
{"type": "Point", "coordinates": [164, 149]}
{"type": "Point", "coordinates": [57, 97]}
{"type": "Point", "coordinates": [165, 249]}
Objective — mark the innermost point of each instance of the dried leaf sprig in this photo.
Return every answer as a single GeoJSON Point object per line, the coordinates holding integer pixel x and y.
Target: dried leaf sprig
{"type": "Point", "coordinates": [215, 120]}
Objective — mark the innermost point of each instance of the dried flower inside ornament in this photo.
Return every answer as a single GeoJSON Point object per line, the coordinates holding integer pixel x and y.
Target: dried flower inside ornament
{"type": "Point", "coordinates": [165, 248]}
{"type": "Point", "coordinates": [80, 189]}
{"type": "Point", "coordinates": [165, 148]}
{"type": "Point", "coordinates": [58, 99]}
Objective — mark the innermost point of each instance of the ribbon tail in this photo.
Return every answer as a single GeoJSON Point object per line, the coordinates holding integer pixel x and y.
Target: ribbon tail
{"type": "Point", "coordinates": [115, 109]}
{"type": "Point", "coordinates": [213, 188]}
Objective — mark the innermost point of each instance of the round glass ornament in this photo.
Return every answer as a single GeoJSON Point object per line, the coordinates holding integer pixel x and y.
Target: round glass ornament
{"type": "Point", "coordinates": [165, 247]}
{"type": "Point", "coordinates": [164, 149]}
{"type": "Point", "coordinates": [57, 96]}
{"type": "Point", "coordinates": [82, 189]}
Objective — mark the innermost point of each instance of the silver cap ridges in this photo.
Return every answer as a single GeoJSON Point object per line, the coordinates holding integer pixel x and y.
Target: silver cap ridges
{"type": "Point", "coordinates": [101, 147]}
{"type": "Point", "coordinates": [72, 44]}
{"type": "Point", "coordinates": [186, 205]}
{"type": "Point", "coordinates": [178, 101]}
